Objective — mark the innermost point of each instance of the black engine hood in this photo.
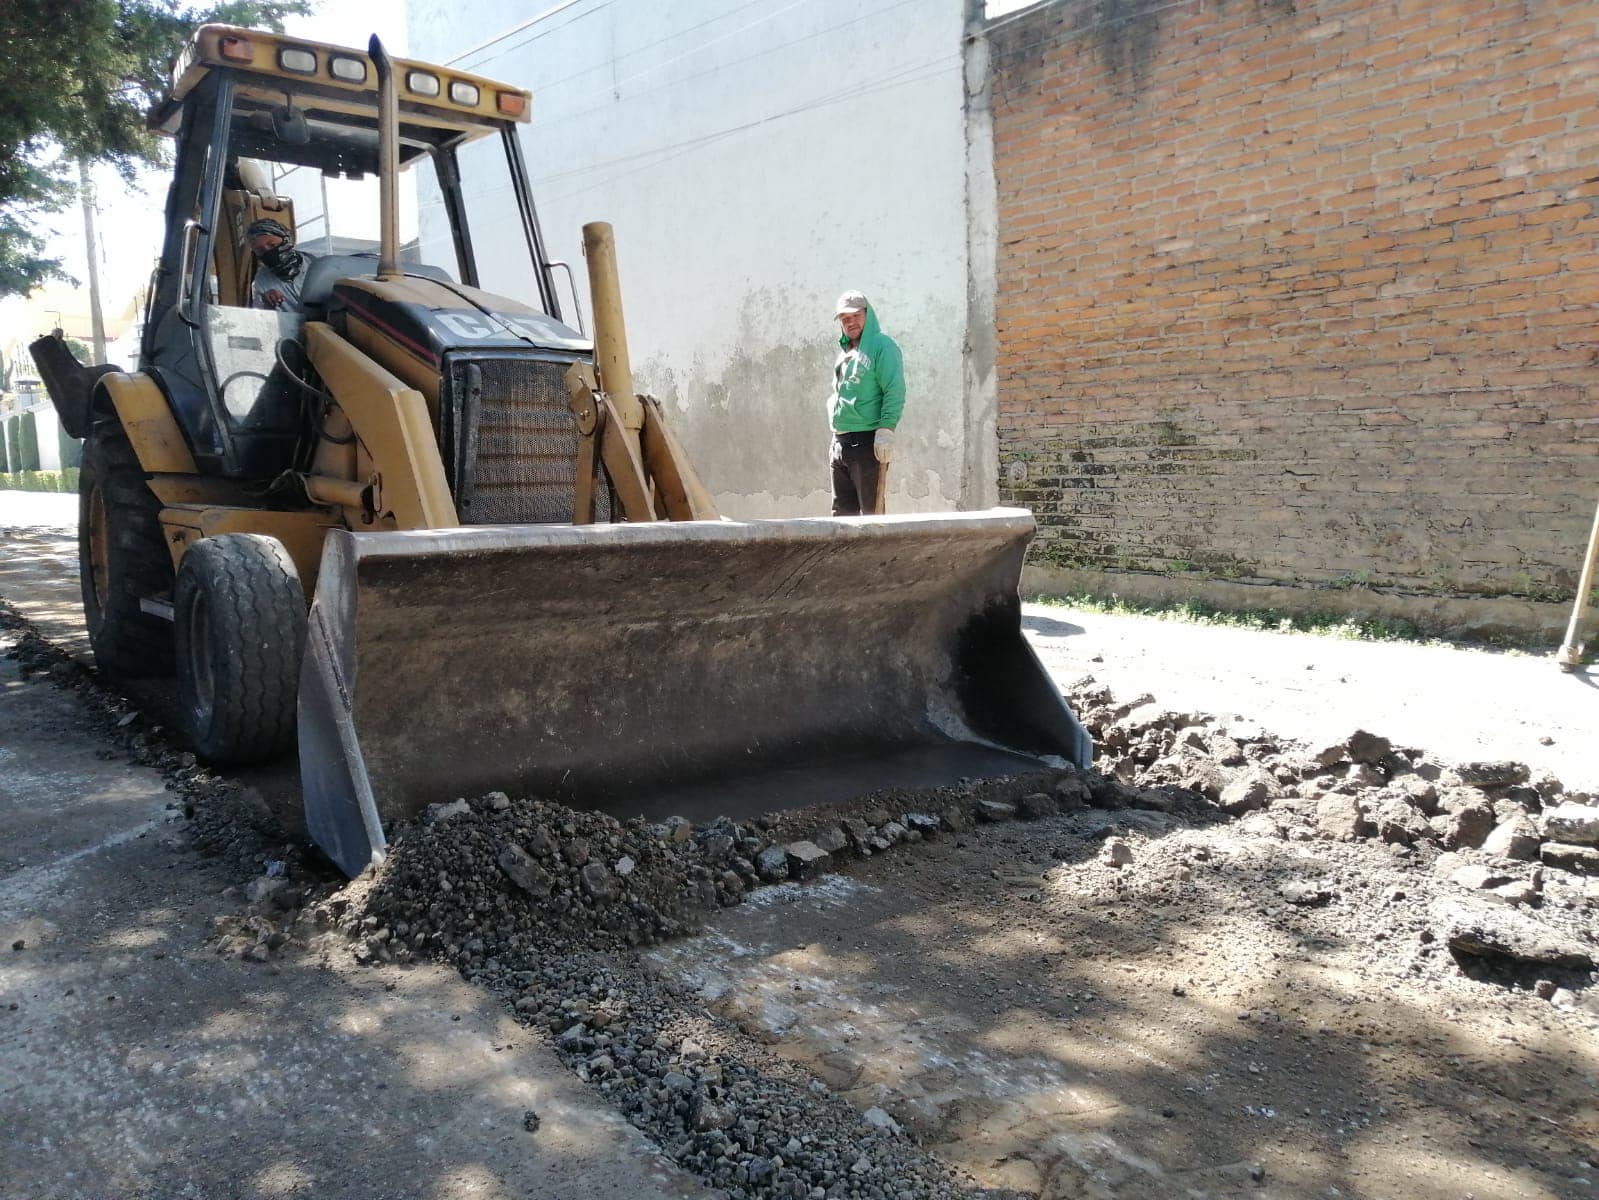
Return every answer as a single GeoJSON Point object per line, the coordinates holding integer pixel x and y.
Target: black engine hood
{"type": "Point", "coordinates": [433, 320]}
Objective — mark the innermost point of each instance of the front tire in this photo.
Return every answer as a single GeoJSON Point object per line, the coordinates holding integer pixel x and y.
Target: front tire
{"type": "Point", "coordinates": [122, 557]}
{"type": "Point", "coordinates": [240, 615]}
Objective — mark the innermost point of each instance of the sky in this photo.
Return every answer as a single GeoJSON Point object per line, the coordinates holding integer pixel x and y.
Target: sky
{"type": "Point", "coordinates": [129, 215]}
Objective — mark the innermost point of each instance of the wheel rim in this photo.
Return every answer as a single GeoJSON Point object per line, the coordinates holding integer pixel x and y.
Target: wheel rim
{"type": "Point", "coordinates": [201, 666]}
{"type": "Point", "coordinates": [99, 549]}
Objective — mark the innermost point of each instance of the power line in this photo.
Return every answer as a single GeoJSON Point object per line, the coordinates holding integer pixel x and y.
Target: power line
{"type": "Point", "coordinates": [819, 102]}
{"type": "Point", "coordinates": [555, 11]}
{"type": "Point", "coordinates": [660, 156]}
{"type": "Point", "coordinates": [637, 50]}
{"type": "Point", "coordinates": [771, 16]}
{"type": "Point", "coordinates": [781, 46]}
{"type": "Point", "coordinates": [656, 152]}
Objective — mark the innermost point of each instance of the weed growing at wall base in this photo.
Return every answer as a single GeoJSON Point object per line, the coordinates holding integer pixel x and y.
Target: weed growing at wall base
{"type": "Point", "coordinates": [1271, 620]}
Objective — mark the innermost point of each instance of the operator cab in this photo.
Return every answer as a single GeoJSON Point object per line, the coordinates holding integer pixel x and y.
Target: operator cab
{"type": "Point", "coordinates": [270, 127]}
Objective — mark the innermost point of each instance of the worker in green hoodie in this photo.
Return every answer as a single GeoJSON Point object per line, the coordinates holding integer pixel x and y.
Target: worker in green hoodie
{"type": "Point", "coordinates": [868, 397]}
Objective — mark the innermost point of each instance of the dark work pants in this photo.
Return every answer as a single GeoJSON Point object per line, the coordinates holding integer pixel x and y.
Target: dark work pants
{"type": "Point", "coordinates": [857, 475]}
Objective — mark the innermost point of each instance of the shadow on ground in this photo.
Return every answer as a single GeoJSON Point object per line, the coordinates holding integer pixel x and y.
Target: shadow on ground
{"type": "Point", "coordinates": [1051, 627]}
{"type": "Point", "coordinates": [1065, 1030]}
{"type": "Point", "coordinates": [137, 1062]}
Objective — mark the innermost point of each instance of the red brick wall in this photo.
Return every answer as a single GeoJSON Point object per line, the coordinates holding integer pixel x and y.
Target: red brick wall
{"type": "Point", "coordinates": [1302, 292]}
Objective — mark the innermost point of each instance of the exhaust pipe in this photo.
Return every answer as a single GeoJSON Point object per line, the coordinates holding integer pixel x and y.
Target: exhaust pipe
{"type": "Point", "coordinates": [388, 161]}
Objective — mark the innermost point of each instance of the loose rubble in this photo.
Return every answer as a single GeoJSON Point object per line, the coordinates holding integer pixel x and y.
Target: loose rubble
{"type": "Point", "coordinates": [1526, 846]}
{"type": "Point", "coordinates": [540, 903]}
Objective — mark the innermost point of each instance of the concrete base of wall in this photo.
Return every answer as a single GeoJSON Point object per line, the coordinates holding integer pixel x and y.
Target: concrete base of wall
{"type": "Point", "coordinates": [1526, 621]}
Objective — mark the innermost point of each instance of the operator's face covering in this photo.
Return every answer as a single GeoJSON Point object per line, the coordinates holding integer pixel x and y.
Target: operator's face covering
{"type": "Point", "coordinates": [277, 254]}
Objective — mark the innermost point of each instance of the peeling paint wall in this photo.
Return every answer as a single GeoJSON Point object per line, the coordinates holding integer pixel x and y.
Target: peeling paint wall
{"type": "Point", "coordinates": [757, 159]}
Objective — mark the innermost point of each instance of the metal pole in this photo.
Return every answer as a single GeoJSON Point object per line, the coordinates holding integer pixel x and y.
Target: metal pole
{"type": "Point", "coordinates": [388, 161]}
{"type": "Point", "coordinates": [327, 218]}
{"type": "Point", "coordinates": [1570, 656]}
{"type": "Point", "coordinates": [97, 322]}
{"type": "Point", "coordinates": [610, 333]}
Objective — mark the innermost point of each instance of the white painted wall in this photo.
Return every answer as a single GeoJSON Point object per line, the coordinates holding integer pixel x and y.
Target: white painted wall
{"type": "Point", "coordinates": [48, 428]}
{"type": "Point", "coordinates": [757, 158]}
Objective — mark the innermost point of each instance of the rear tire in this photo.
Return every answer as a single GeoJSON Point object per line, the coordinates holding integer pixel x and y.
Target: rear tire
{"type": "Point", "coordinates": [240, 615]}
{"type": "Point", "coordinates": [122, 557]}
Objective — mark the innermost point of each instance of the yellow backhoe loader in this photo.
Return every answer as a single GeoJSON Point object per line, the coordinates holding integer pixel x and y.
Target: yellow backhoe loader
{"type": "Point", "coordinates": [431, 533]}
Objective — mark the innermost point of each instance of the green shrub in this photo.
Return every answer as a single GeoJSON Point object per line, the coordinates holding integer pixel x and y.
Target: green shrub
{"type": "Point", "coordinates": [65, 481]}
{"type": "Point", "coordinates": [28, 441]}
{"type": "Point", "coordinates": [71, 448]}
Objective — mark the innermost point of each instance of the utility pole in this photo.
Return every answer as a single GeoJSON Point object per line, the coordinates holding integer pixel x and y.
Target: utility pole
{"type": "Point", "coordinates": [86, 192]}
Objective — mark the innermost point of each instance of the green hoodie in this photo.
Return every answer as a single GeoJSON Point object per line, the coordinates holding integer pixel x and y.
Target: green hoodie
{"type": "Point", "coordinates": [868, 381]}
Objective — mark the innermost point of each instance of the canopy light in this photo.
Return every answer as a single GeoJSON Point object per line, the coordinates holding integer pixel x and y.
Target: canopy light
{"type": "Point", "coordinates": [301, 62]}
{"type": "Point", "coordinates": [422, 83]}
{"type": "Point", "coordinates": [351, 70]}
{"type": "Point", "coordinates": [512, 104]}
{"type": "Point", "coordinates": [464, 93]}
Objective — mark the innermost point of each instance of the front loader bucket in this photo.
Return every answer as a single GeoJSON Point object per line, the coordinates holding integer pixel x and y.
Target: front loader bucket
{"type": "Point", "coordinates": [691, 668]}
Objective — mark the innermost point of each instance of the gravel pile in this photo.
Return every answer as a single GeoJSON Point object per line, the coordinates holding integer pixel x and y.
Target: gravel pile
{"type": "Point", "coordinates": [480, 879]}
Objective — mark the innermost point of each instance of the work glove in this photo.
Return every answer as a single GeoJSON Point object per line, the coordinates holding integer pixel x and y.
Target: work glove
{"type": "Point", "coordinates": [883, 445]}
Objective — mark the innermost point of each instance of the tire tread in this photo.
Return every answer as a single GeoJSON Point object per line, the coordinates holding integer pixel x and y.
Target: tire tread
{"type": "Point", "coordinates": [127, 641]}
{"type": "Point", "coordinates": [257, 623]}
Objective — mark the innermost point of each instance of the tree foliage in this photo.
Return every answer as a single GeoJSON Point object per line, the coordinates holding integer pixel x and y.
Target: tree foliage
{"type": "Point", "coordinates": [76, 81]}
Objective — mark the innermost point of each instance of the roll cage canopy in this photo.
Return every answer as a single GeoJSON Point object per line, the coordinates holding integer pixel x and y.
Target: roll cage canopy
{"type": "Point", "coordinates": [278, 69]}
{"type": "Point", "coordinates": [240, 95]}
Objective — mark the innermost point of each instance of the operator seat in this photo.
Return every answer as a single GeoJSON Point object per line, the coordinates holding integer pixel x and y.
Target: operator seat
{"type": "Point", "coordinates": [242, 206]}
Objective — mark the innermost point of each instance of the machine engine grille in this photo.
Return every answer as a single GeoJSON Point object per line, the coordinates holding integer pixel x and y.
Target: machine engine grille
{"type": "Point", "coordinates": [511, 442]}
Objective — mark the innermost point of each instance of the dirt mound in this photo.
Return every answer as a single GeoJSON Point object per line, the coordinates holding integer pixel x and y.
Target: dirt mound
{"type": "Point", "coordinates": [493, 877]}
{"type": "Point", "coordinates": [1508, 875]}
